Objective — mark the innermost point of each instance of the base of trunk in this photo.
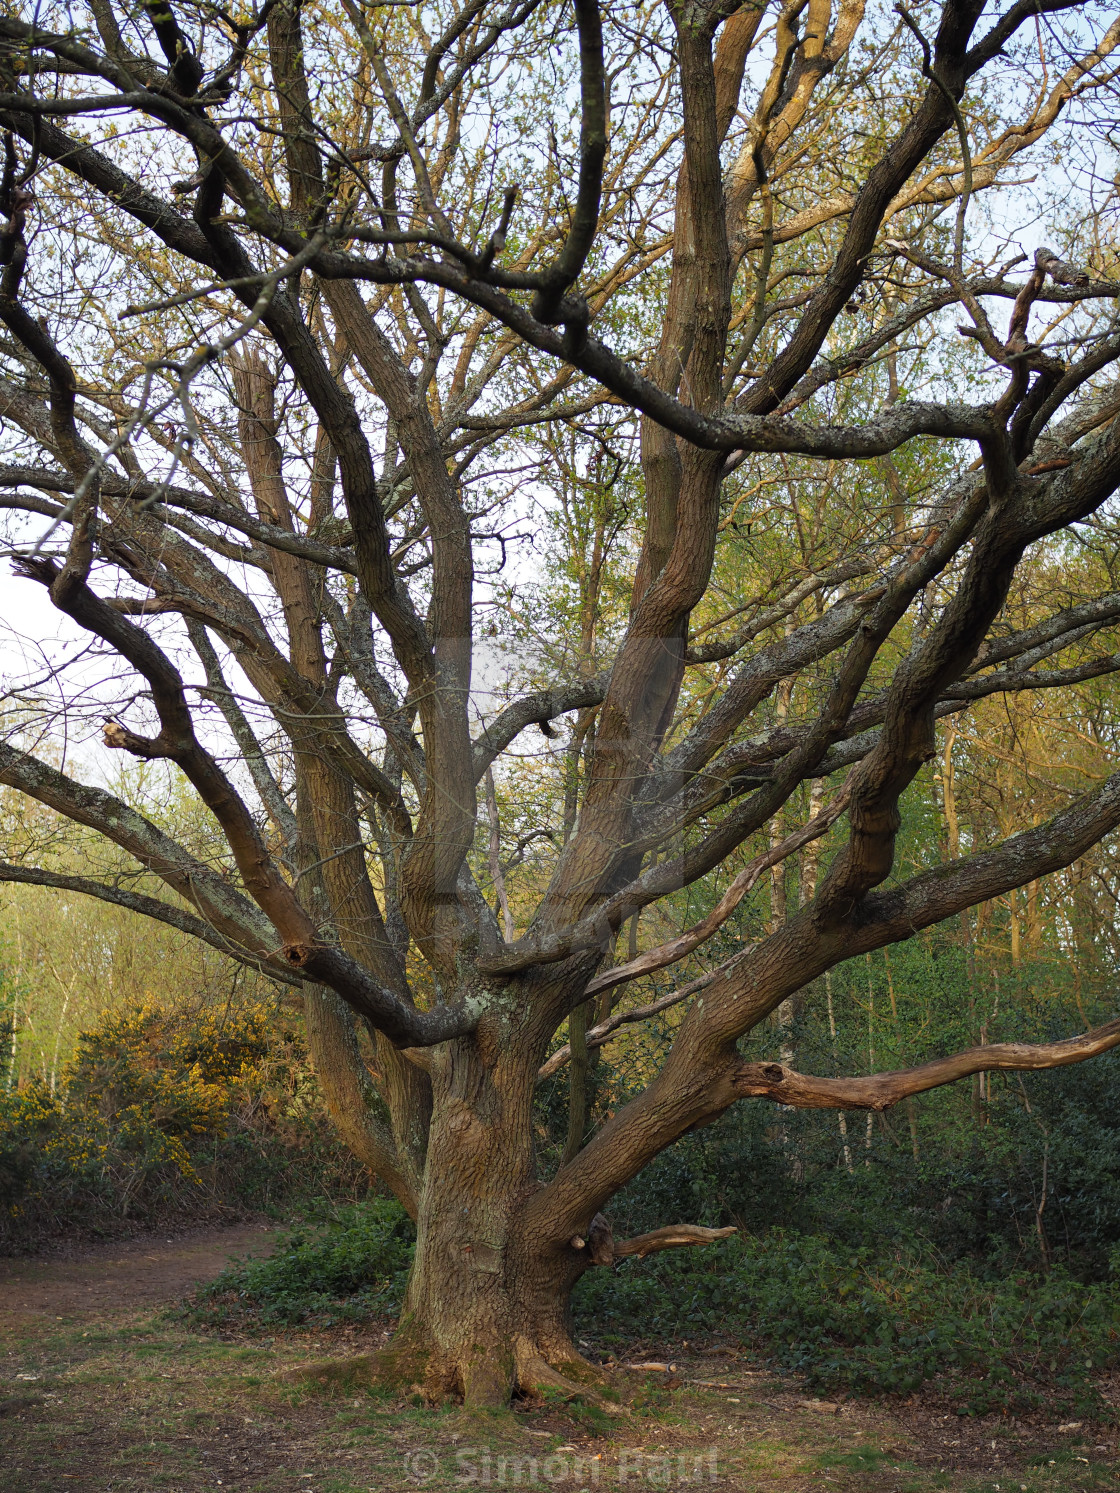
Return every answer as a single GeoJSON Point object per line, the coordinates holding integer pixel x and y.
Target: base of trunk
{"type": "Point", "coordinates": [487, 1372]}
{"type": "Point", "coordinates": [480, 1375]}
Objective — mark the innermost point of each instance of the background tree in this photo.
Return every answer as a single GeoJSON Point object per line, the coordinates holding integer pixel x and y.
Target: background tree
{"type": "Point", "coordinates": [278, 506]}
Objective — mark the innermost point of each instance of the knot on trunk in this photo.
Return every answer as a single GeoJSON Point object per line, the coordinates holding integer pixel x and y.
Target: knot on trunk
{"type": "Point", "coordinates": [599, 1242]}
{"type": "Point", "coordinates": [299, 953]}
{"type": "Point", "coordinates": [765, 1081]}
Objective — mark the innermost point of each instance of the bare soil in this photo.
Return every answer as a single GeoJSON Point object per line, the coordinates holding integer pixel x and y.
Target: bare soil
{"type": "Point", "coordinates": [148, 1271]}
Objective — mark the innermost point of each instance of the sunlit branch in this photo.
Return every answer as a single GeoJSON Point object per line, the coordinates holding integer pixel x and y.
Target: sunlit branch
{"type": "Point", "coordinates": [880, 1091]}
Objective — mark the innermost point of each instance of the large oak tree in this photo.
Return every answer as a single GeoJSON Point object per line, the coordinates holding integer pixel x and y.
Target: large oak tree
{"type": "Point", "coordinates": [294, 298]}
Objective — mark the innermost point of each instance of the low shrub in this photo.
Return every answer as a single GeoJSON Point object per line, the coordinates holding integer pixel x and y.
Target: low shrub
{"type": "Point", "coordinates": [857, 1321]}
{"type": "Point", "coordinates": [350, 1267]}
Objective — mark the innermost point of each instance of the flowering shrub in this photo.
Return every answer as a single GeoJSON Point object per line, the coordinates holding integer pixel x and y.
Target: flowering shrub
{"type": "Point", "coordinates": [160, 1113]}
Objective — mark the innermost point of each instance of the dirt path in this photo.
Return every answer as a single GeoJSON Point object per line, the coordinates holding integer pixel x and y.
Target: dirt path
{"type": "Point", "coordinates": [130, 1274]}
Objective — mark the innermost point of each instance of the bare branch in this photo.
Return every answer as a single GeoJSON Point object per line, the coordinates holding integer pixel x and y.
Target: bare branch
{"type": "Point", "coordinates": [539, 709]}
{"type": "Point", "coordinates": [149, 907]}
{"type": "Point", "coordinates": [881, 1090]}
{"type": "Point", "coordinates": [672, 1236]}
{"type": "Point", "coordinates": [603, 1031]}
{"type": "Point", "coordinates": [742, 886]}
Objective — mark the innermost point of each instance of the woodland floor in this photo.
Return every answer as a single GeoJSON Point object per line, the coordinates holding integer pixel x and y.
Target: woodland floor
{"type": "Point", "coordinates": [102, 1391]}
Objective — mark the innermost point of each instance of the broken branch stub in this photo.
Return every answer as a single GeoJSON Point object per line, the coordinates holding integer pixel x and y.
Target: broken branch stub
{"type": "Point", "coordinates": [604, 1251]}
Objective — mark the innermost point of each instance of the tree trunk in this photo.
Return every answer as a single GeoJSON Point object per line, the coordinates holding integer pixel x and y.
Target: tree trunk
{"type": "Point", "coordinates": [485, 1314]}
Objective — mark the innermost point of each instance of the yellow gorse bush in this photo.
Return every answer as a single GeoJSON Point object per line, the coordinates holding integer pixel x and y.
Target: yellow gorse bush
{"type": "Point", "coordinates": [142, 1089]}
{"type": "Point", "coordinates": [181, 1072]}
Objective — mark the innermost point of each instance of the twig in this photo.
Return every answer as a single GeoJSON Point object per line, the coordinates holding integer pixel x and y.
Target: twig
{"type": "Point", "coordinates": [962, 131]}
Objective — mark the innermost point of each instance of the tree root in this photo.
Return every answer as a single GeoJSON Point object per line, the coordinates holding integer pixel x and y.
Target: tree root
{"type": "Point", "coordinates": [580, 1380]}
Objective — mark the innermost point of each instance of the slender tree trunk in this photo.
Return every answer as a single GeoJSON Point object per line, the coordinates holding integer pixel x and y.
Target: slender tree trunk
{"type": "Point", "coordinates": [841, 1117]}
{"type": "Point", "coordinates": [1034, 919]}
{"type": "Point", "coordinates": [786, 1014]}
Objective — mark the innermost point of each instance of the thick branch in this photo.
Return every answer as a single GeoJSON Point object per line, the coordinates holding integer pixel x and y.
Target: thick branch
{"type": "Point", "coordinates": [401, 1023]}
{"type": "Point", "coordinates": [880, 1091]}
{"type": "Point", "coordinates": [177, 743]}
{"type": "Point", "coordinates": [699, 1078]}
{"type": "Point", "coordinates": [672, 1236]}
{"type": "Point", "coordinates": [565, 269]}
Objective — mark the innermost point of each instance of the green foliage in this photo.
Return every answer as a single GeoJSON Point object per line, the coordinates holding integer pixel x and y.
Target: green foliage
{"type": "Point", "coordinates": [1023, 1173]}
{"type": "Point", "coordinates": [858, 1320]}
{"type": "Point", "coordinates": [350, 1267]}
{"type": "Point", "coordinates": [848, 1320]}
{"type": "Point", "coordinates": [160, 1115]}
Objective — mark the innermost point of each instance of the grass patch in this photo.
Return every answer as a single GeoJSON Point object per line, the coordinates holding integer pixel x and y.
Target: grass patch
{"type": "Point", "coordinates": [863, 1459]}
{"type": "Point", "coordinates": [200, 1421]}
